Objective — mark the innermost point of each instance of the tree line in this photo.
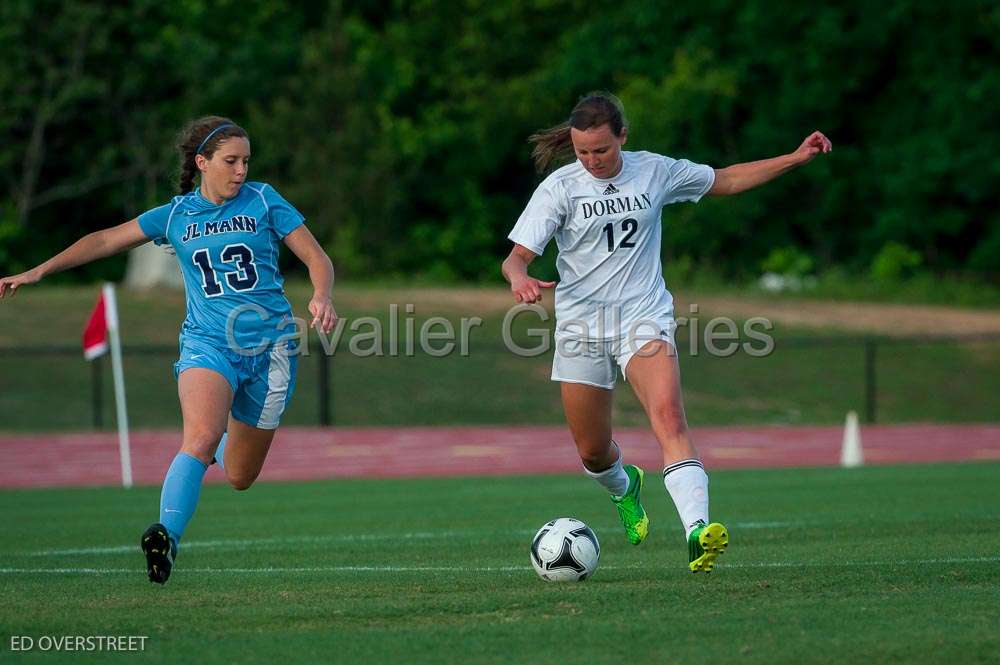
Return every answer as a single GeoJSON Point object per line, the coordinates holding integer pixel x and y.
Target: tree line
{"type": "Point", "coordinates": [399, 128]}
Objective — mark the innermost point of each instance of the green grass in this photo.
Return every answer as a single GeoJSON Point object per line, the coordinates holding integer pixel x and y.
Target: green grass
{"type": "Point", "coordinates": [815, 383]}
{"type": "Point", "coordinates": [840, 284]}
{"type": "Point", "coordinates": [921, 289]}
{"type": "Point", "coordinates": [891, 564]}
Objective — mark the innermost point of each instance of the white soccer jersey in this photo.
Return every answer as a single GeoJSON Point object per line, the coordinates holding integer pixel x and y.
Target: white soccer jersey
{"type": "Point", "coordinates": [608, 232]}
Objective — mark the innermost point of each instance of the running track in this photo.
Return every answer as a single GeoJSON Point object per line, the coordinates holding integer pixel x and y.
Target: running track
{"type": "Point", "coordinates": [41, 460]}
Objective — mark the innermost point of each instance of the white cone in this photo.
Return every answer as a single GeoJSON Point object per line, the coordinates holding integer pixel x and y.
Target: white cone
{"type": "Point", "coordinates": [850, 452]}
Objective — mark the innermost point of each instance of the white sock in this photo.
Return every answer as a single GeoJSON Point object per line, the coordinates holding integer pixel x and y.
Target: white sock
{"type": "Point", "coordinates": [220, 452]}
{"type": "Point", "coordinates": [687, 484]}
{"type": "Point", "coordinates": [614, 479]}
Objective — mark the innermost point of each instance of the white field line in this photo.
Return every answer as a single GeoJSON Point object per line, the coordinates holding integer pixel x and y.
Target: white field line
{"type": "Point", "coordinates": [221, 544]}
{"type": "Point", "coordinates": [258, 542]}
{"type": "Point", "coordinates": [489, 569]}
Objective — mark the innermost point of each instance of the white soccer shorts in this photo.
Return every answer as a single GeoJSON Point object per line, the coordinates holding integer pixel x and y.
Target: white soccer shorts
{"type": "Point", "coordinates": [596, 362]}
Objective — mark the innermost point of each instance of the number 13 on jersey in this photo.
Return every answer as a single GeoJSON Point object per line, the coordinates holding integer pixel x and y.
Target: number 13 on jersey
{"type": "Point", "coordinates": [240, 256]}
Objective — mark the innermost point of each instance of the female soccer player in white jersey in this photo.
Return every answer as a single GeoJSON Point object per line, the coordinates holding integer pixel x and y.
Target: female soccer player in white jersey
{"type": "Point", "coordinates": [237, 363]}
{"type": "Point", "coordinates": [612, 306]}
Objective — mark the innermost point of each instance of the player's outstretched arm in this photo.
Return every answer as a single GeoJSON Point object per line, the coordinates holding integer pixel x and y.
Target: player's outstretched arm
{"type": "Point", "coordinates": [90, 247]}
{"type": "Point", "coordinates": [304, 245]}
{"type": "Point", "coordinates": [741, 177]}
{"type": "Point", "coordinates": [515, 270]}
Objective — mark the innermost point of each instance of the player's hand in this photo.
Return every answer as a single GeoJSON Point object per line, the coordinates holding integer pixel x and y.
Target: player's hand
{"type": "Point", "coordinates": [814, 144]}
{"type": "Point", "coordinates": [529, 289]}
{"type": "Point", "coordinates": [9, 285]}
{"type": "Point", "coordinates": [324, 315]}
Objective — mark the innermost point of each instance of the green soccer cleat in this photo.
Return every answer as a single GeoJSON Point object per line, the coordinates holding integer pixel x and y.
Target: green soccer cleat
{"type": "Point", "coordinates": [705, 544]}
{"type": "Point", "coordinates": [630, 511]}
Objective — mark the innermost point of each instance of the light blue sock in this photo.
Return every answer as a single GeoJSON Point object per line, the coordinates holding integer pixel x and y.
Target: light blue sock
{"type": "Point", "coordinates": [220, 452]}
{"type": "Point", "coordinates": [179, 497]}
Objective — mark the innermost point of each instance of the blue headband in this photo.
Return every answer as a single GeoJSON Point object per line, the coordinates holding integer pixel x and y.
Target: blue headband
{"type": "Point", "coordinates": [211, 134]}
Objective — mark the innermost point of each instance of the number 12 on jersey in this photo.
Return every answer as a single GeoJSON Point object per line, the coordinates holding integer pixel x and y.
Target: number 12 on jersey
{"type": "Point", "coordinates": [629, 227]}
{"type": "Point", "coordinates": [241, 256]}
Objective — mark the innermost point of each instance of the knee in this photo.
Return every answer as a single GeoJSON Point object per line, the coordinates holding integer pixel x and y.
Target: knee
{"type": "Point", "coordinates": [201, 444]}
{"type": "Point", "coordinates": [240, 482]}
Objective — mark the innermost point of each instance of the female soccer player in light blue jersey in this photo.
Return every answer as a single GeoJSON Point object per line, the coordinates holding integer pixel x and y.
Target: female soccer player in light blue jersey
{"type": "Point", "coordinates": [613, 309]}
{"type": "Point", "coordinates": [237, 363]}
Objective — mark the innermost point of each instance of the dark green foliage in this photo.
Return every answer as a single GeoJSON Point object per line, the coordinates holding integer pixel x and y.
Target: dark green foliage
{"type": "Point", "coordinates": [399, 128]}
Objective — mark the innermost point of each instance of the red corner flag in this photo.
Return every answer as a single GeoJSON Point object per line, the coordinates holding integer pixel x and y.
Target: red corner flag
{"type": "Point", "coordinates": [100, 335]}
{"type": "Point", "coordinates": [95, 335]}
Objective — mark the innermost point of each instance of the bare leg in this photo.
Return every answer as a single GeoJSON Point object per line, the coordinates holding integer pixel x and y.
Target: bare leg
{"type": "Point", "coordinates": [655, 376]}
{"type": "Point", "coordinates": [246, 450]}
{"type": "Point", "coordinates": [656, 379]}
{"type": "Point", "coordinates": [205, 402]}
{"type": "Point", "coordinates": [205, 398]}
{"type": "Point", "coordinates": [588, 413]}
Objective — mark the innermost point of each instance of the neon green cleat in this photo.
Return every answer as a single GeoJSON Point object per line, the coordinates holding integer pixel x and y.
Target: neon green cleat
{"type": "Point", "coordinates": [630, 511]}
{"type": "Point", "coordinates": [705, 544]}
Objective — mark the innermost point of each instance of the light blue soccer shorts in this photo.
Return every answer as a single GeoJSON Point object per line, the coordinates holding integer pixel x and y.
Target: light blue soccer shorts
{"type": "Point", "coordinates": [262, 383]}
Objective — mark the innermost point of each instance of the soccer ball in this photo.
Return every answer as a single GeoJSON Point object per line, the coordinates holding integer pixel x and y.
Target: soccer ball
{"type": "Point", "coordinates": [565, 550]}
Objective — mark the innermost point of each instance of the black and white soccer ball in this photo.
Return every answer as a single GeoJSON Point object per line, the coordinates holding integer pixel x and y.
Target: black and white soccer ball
{"type": "Point", "coordinates": [565, 550]}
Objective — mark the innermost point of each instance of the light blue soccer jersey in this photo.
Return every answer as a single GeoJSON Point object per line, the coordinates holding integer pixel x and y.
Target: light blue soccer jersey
{"type": "Point", "coordinates": [229, 258]}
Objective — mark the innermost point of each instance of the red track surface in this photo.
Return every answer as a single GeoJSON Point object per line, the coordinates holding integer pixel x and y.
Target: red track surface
{"type": "Point", "coordinates": [299, 453]}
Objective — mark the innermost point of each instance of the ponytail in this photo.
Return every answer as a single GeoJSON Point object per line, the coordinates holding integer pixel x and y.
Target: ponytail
{"type": "Point", "coordinates": [551, 145]}
{"type": "Point", "coordinates": [185, 182]}
{"type": "Point", "coordinates": [593, 110]}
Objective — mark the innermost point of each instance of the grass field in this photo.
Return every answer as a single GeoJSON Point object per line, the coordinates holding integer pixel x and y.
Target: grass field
{"type": "Point", "coordinates": [891, 564]}
{"type": "Point", "coordinates": [802, 382]}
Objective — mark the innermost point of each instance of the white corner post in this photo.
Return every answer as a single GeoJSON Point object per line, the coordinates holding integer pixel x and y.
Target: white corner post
{"type": "Point", "coordinates": [111, 318]}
